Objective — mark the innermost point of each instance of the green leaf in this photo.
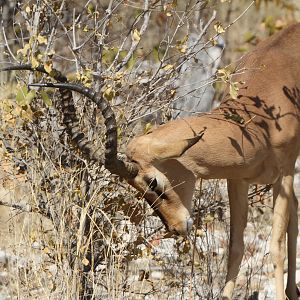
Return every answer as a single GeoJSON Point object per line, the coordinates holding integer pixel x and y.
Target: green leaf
{"type": "Point", "coordinates": [46, 99]}
{"type": "Point", "coordinates": [249, 37]}
{"type": "Point", "coordinates": [91, 9]}
{"type": "Point", "coordinates": [131, 63]}
{"type": "Point", "coordinates": [24, 97]}
{"type": "Point", "coordinates": [30, 96]}
{"type": "Point", "coordinates": [21, 95]}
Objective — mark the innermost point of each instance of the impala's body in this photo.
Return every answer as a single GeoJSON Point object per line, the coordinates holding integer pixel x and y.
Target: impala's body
{"type": "Point", "coordinates": [253, 139]}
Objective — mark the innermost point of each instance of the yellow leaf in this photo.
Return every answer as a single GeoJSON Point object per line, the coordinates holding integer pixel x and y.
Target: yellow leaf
{"type": "Point", "coordinates": [213, 41]}
{"type": "Point", "coordinates": [136, 36]}
{"type": "Point", "coordinates": [34, 62]}
{"type": "Point", "coordinates": [42, 39]}
{"type": "Point", "coordinates": [91, 9]}
{"type": "Point", "coordinates": [172, 93]}
{"type": "Point", "coordinates": [46, 250]}
{"type": "Point", "coordinates": [183, 48]}
{"type": "Point", "coordinates": [50, 53]}
{"type": "Point", "coordinates": [208, 219]}
{"type": "Point", "coordinates": [109, 93]}
{"type": "Point", "coordinates": [219, 28]}
{"type": "Point", "coordinates": [224, 74]}
{"type": "Point", "coordinates": [85, 262]}
{"type": "Point", "coordinates": [147, 128]}
{"type": "Point", "coordinates": [249, 37]}
{"type": "Point", "coordinates": [48, 67]}
{"type": "Point", "coordinates": [168, 67]}
{"type": "Point", "coordinates": [233, 90]}
{"type": "Point", "coordinates": [119, 133]}
{"type": "Point", "coordinates": [24, 50]}
{"type": "Point", "coordinates": [30, 96]}
{"type": "Point", "coordinates": [27, 9]}
{"type": "Point", "coordinates": [119, 75]}
{"type": "Point", "coordinates": [200, 232]}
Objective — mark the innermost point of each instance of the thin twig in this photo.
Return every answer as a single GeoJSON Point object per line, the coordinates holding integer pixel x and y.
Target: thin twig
{"type": "Point", "coordinates": [100, 44]}
{"type": "Point", "coordinates": [7, 45]}
{"type": "Point", "coordinates": [136, 42]}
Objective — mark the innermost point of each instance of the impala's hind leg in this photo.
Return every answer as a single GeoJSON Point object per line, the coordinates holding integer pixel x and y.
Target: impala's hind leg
{"type": "Point", "coordinates": [291, 289]}
{"type": "Point", "coordinates": [283, 195]}
{"type": "Point", "coordinates": [238, 200]}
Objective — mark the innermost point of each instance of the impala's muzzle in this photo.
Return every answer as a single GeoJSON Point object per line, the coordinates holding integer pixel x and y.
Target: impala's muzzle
{"type": "Point", "coordinates": [178, 222]}
{"type": "Point", "coordinates": [182, 228]}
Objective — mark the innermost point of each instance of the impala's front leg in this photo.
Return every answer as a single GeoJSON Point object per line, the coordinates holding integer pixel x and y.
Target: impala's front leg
{"type": "Point", "coordinates": [283, 195]}
{"type": "Point", "coordinates": [291, 289]}
{"type": "Point", "coordinates": [238, 200]}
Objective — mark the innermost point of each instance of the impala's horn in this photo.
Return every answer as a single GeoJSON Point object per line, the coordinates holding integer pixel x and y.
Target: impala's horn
{"type": "Point", "coordinates": [109, 159]}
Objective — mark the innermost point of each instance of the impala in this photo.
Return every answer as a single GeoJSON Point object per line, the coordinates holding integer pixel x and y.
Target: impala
{"type": "Point", "coordinates": [252, 139]}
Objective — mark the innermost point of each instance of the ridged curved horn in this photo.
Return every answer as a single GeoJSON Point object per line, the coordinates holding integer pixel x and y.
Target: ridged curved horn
{"type": "Point", "coordinates": [110, 160]}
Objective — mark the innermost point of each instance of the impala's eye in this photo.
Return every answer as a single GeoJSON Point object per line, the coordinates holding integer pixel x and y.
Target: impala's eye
{"type": "Point", "coordinates": [155, 187]}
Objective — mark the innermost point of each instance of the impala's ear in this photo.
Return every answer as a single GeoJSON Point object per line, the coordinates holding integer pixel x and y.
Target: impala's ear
{"type": "Point", "coordinates": [161, 150]}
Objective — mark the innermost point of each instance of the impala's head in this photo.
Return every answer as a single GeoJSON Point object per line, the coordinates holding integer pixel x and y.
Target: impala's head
{"type": "Point", "coordinates": [152, 167]}
{"type": "Point", "coordinates": [165, 183]}
{"type": "Point", "coordinates": [170, 199]}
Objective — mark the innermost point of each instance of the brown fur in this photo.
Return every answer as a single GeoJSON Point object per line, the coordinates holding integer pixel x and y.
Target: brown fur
{"type": "Point", "coordinates": [254, 139]}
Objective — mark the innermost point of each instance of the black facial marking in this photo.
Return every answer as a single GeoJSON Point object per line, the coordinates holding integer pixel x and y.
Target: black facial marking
{"type": "Point", "coordinates": [161, 194]}
{"type": "Point", "coordinates": [153, 185]}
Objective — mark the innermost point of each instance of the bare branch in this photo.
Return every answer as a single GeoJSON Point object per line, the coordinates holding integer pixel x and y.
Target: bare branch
{"type": "Point", "coordinates": [21, 207]}
{"type": "Point", "coordinates": [136, 41]}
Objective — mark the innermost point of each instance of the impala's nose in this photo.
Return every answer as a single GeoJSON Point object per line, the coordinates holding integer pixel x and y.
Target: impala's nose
{"type": "Point", "coordinates": [189, 224]}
